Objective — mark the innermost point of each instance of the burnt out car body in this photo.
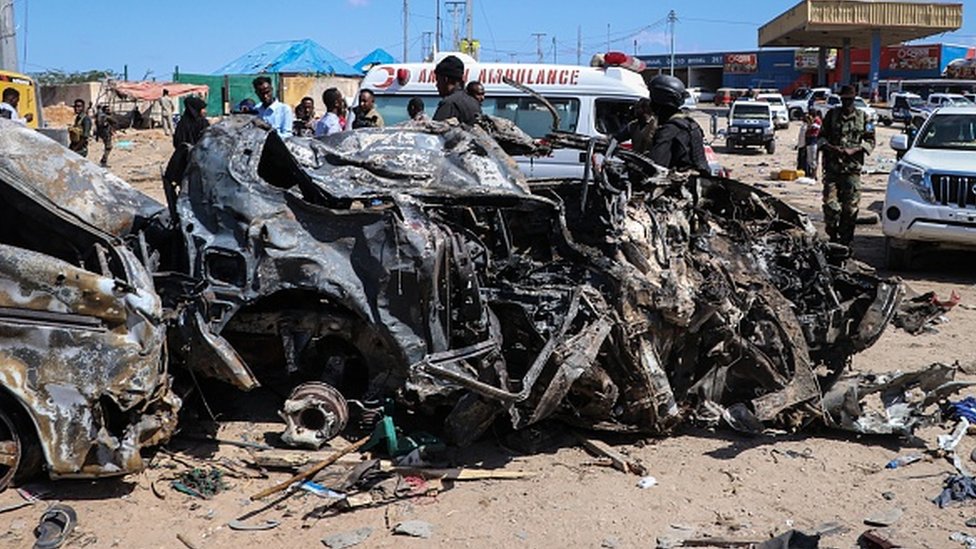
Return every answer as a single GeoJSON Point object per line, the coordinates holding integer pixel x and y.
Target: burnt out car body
{"type": "Point", "coordinates": [417, 262]}
{"type": "Point", "coordinates": [83, 379]}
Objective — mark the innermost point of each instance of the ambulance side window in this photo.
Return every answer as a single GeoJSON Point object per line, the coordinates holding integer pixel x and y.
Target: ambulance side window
{"type": "Point", "coordinates": [393, 108]}
{"type": "Point", "coordinates": [532, 116]}
{"type": "Point", "coordinates": [612, 115]}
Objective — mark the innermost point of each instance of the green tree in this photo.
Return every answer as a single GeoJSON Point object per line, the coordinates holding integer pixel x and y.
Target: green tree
{"type": "Point", "coordinates": [54, 77]}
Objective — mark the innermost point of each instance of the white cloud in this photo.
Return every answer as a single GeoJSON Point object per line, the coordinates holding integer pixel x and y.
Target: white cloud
{"type": "Point", "coordinates": [649, 38]}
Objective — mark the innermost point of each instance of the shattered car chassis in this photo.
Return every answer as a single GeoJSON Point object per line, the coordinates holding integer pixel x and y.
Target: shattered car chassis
{"type": "Point", "coordinates": [417, 263]}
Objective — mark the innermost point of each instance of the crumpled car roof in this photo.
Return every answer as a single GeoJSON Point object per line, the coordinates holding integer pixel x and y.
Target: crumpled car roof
{"type": "Point", "coordinates": [434, 160]}
{"type": "Point", "coordinates": [42, 168]}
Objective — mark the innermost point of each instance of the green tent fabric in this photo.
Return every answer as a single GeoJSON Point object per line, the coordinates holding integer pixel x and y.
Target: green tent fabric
{"type": "Point", "coordinates": [232, 88]}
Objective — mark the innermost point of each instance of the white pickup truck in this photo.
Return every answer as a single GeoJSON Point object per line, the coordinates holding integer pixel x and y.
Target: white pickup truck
{"type": "Point", "coordinates": [834, 101]}
{"type": "Point", "coordinates": [931, 195]}
{"type": "Point", "coordinates": [799, 101]}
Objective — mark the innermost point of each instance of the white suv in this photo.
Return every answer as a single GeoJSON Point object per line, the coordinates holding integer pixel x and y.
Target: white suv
{"type": "Point", "coordinates": [778, 105]}
{"type": "Point", "coordinates": [931, 195]}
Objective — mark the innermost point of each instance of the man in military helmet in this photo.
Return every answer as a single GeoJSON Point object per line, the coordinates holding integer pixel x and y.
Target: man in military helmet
{"type": "Point", "coordinates": [846, 137]}
{"type": "Point", "coordinates": [679, 142]}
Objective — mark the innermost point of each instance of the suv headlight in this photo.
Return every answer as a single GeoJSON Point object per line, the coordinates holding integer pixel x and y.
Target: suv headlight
{"type": "Point", "coordinates": [914, 176]}
{"type": "Point", "coordinates": [734, 129]}
{"type": "Point", "coordinates": [769, 129]}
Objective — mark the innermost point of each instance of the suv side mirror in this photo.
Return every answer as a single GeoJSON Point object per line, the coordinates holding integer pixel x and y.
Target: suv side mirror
{"type": "Point", "coordinates": [899, 142]}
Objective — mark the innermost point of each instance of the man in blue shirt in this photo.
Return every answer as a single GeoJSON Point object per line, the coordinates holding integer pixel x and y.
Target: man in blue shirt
{"type": "Point", "coordinates": [329, 124]}
{"type": "Point", "coordinates": [274, 112]}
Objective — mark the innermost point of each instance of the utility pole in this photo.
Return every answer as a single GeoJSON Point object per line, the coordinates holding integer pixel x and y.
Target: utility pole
{"type": "Point", "coordinates": [553, 50]}
{"type": "Point", "coordinates": [437, 30]}
{"type": "Point", "coordinates": [454, 8]}
{"type": "Point", "coordinates": [406, 33]}
{"type": "Point", "coordinates": [469, 19]}
{"type": "Point", "coordinates": [426, 45]}
{"type": "Point", "coordinates": [8, 37]}
{"type": "Point", "coordinates": [538, 44]}
{"type": "Point", "coordinates": [672, 19]}
{"type": "Point", "coordinates": [579, 44]}
{"type": "Point", "coordinates": [635, 46]}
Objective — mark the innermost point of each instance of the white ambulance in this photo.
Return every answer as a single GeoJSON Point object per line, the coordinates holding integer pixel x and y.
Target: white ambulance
{"type": "Point", "coordinates": [590, 100]}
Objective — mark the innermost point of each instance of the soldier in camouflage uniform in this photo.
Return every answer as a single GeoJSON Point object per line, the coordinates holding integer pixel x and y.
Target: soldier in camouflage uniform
{"type": "Point", "coordinates": [846, 137]}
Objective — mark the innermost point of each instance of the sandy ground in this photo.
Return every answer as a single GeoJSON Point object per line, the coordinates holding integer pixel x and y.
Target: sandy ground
{"type": "Point", "coordinates": [709, 483]}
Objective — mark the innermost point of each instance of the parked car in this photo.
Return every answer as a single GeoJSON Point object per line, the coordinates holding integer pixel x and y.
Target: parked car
{"type": "Point", "coordinates": [971, 97]}
{"type": "Point", "coordinates": [702, 95]}
{"type": "Point", "coordinates": [750, 124]}
{"type": "Point", "coordinates": [859, 103]}
{"type": "Point", "coordinates": [778, 105]}
{"type": "Point", "coordinates": [937, 100]}
{"type": "Point", "coordinates": [800, 99]}
{"type": "Point", "coordinates": [931, 194]}
{"type": "Point", "coordinates": [905, 106]}
{"type": "Point", "coordinates": [726, 96]}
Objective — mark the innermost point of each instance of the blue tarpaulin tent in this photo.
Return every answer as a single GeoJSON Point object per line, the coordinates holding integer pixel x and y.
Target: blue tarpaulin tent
{"type": "Point", "coordinates": [292, 57]}
{"type": "Point", "coordinates": [378, 56]}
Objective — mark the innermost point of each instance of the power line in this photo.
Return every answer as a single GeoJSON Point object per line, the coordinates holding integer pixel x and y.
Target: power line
{"type": "Point", "coordinates": [723, 22]}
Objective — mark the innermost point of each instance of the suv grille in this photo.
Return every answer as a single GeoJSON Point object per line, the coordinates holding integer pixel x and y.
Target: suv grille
{"type": "Point", "coordinates": [954, 190]}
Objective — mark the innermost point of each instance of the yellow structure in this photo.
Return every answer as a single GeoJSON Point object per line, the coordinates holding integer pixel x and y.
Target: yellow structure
{"type": "Point", "coordinates": [836, 23]}
{"type": "Point", "coordinates": [28, 95]}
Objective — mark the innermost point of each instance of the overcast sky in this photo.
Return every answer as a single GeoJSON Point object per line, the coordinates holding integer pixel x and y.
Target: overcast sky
{"type": "Point", "coordinates": [201, 35]}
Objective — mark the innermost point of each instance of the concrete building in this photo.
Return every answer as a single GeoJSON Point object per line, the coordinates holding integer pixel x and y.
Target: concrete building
{"type": "Point", "coordinates": [788, 69]}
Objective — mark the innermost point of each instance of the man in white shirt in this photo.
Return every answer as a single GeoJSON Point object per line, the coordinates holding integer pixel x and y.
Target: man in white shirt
{"type": "Point", "coordinates": [8, 108]}
{"type": "Point", "coordinates": [329, 124]}
{"type": "Point", "coordinates": [274, 112]}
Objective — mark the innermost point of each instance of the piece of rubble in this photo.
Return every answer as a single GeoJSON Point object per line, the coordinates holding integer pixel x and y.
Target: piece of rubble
{"type": "Point", "coordinates": [885, 517]}
{"type": "Point", "coordinates": [414, 529]}
{"type": "Point", "coordinates": [347, 539]}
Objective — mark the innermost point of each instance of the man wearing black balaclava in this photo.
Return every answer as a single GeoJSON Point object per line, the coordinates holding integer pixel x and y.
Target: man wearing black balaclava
{"type": "Point", "coordinates": [455, 102]}
{"type": "Point", "coordinates": [679, 142]}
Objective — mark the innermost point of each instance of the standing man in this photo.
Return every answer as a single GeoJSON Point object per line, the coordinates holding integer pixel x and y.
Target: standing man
{"type": "Point", "coordinates": [455, 102]}
{"type": "Point", "coordinates": [166, 106]}
{"type": "Point", "coordinates": [679, 142]}
{"type": "Point", "coordinates": [8, 108]}
{"type": "Point", "coordinates": [640, 130]}
{"type": "Point", "coordinates": [415, 110]}
{"type": "Point", "coordinates": [104, 130]}
{"type": "Point", "coordinates": [477, 90]}
{"type": "Point", "coordinates": [274, 112]}
{"type": "Point", "coordinates": [846, 137]}
{"type": "Point", "coordinates": [365, 115]}
{"type": "Point", "coordinates": [80, 129]}
{"type": "Point", "coordinates": [329, 123]}
{"type": "Point", "coordinates": [305, 121]}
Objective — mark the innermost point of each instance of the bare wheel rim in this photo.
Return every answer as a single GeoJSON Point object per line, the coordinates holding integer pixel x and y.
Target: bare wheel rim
{"type": "Point", "coordinates": [10, 450]}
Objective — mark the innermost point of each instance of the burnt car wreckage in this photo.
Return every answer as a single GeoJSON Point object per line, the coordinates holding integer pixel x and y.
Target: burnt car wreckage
{"type": "Point", "coordinates": [83, 378]}
{"type": "Point", "coordinates": [417, 263]}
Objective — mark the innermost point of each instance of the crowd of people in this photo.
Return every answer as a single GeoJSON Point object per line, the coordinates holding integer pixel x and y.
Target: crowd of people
{"type": "Point", "coordinates": [658, 128]}
{"type": "Point", "coordinates": [458, 100]}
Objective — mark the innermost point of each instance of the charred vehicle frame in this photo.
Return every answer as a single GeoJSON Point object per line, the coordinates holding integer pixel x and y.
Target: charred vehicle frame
{"type": "Point", "coordinates": [84, 385]}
